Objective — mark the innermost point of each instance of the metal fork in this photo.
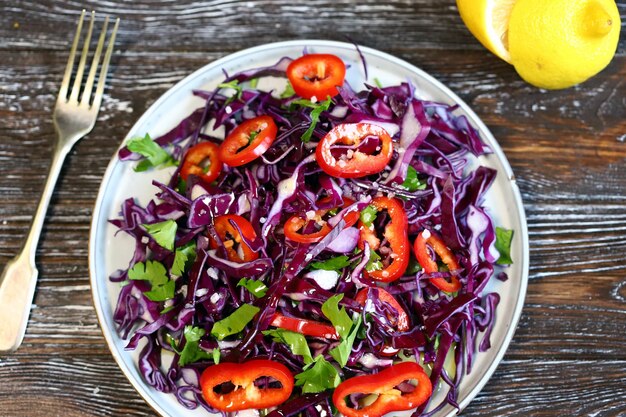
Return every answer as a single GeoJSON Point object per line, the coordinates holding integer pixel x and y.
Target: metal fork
{"type": "Point", "coordinates": [73, 119]}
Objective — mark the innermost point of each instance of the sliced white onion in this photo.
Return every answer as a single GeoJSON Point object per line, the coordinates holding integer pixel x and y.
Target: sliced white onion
{"type": "Point", "coordinates": [325, 279]}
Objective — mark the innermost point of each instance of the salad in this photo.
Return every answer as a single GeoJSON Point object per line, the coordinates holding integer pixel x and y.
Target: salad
{"type": "Point", "coordinates": [318, 250]}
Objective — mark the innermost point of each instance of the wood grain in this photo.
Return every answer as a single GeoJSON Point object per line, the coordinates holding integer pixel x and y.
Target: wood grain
{"type": "Point", "coordinates": [567, 149]}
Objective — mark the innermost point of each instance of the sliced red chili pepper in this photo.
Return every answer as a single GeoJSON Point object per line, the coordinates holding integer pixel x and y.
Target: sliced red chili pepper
{"type": "Point", "coordinates": [203, 161]}
{"type": "Point", "coordinates": [354, 162]}
{"type": "Point", "coordinates": [305, 327]}
{"type": "Point", "coordinates": [401, 318]}
{"type": "Point", "coordinates": [316, 75]}
{"type": "Point", "coordinates": [395, 233]}
{"type": "Point", "coordinates": [429, 265]}
{"type": "Point", "coordinates": [248, 141]}
{"type": "Point", "coordinates": [384, 384]}
{"type": "Point", "coordinates": [295, 224]}
{"type": "Point", "coordinates": [236, 248]}
{"type": "Point", "coordinates": [246, 394]}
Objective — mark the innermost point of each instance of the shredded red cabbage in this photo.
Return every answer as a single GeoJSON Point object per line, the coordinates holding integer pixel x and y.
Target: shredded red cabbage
{"type": "Point", "coordinates": [429, 138]}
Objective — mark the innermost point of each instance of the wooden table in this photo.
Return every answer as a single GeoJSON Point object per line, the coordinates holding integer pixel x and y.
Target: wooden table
{"type": "Point", "coordinates": [568, 357]}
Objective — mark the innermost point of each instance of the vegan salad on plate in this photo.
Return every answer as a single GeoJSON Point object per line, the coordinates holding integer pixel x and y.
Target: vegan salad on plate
{"type": "Point", "coordinates": [319, 249]}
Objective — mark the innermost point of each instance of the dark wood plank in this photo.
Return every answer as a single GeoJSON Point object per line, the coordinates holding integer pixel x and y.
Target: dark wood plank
{"type": "Point", "coordinates": [567, 149]}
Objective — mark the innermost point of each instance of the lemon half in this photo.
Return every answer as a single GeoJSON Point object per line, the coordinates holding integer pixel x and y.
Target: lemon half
{"type": "Point", "coordinates": [488, 20]}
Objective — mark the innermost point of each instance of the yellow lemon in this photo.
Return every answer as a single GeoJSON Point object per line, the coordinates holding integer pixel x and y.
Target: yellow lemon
{"type": "Point", "coordinates": [488, 20]}
{"type": "Point", "coordinates": [559, 43]}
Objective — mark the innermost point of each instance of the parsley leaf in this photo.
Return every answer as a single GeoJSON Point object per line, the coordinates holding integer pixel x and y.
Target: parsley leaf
{"type": "Point", "coordinates": [191, 352]}
{"type": "Point", "coordinates": [315, 114]}
{"type": "Point", "coordinates": [289, 91]}
{"type": "Point", "coordinates": [152, 271]}
{"type": "Point", "coordinates": [216, 355]}
{"type": "Point", "coordinates": [504, 237]}
{"type": "Point", "coordinates": [161, 292]}
{"type": "Point", "coordinates": [254, 82]}
{"type": "Point", "coordinates": [332, 264]}
{"type": "Point", "coordinates": [378, 83]}
{"type": "Point", "coordinates": [338, 317]}
{"type": "Point", "coordinates": [161, 287]}
{"type": "Point", "coordinates": [234, 323]}
{"type": "Point", "coordinates": [412, 182]}
{"type": "Point", "coordinates": [256, 288]}
{"type": "Point", "coordinates": [318, 376]}
{"type": "Point", "coordinates": [368, 215]}
{"type": "Point", "coordinates": [341, 352]}
{"type": "Point", "coordinates": [374, 264]}
{"type": "Point", "coordinates": [154, 154]}
{"type": "Point", "coordinates": [183, 259]}
{"type": "Point", "coordinates": [163, 233]}
{"type": "Point", "coordinates": [297, 342]}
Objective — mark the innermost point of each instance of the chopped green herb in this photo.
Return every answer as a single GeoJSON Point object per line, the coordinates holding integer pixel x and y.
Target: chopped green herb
{"type": "Point", "coordinates": [318, 108]}
{"type": "Point", "coordinates": [504, 237]}
{"type": "Point", "coordinates": [154, 154]}
{"type": "Point", "coordinates": [368, 215]}
{"type": "Point", "coordinates": [234, 84]}
{"type": "Point", "coordinates": [161, 292]}
{"type": "Point", "coordinates": [318, 376]}
{"type": "Point", "coordinates": [374, 264]}
{"type": "Point", "coordinates": [338, 317]}
{"type": "Point", "coordinates": [234, 323]}
{"type": "Point", "coordinates": [163, 233]}
{"type": "Point", "coordinates": [297, 342]}
{"type": "Point", "coordinates": [161, 287]}
{"type": "Point", "coordinates": [254, 82]}
{"type": "Point", "coordinates": [341, 352]}
{"type": "Point", "coordinates": [252, 136]}
{"type": "Point", "coordinates": [412, 182]}
{"type": "Point", "coordinates": [378, 83]}
{"type": "Point", "coordinates": [152, 271]}
{"type": "Point", "coordinates": [182, 187]}
{"type": "Point", "coordinates": [183, 259]}
{"type": "Point", "coordinates": [414, 267]}
{"type": "Point", "coordinates": [216, 355]}
{"type": "Point", "coordinates": [191, 351]}
{"type": "Point", "coordinates": [289, 91]}
{"type": "Point", "coordinates": [332, 264]}
{"type": "Point", "coordinates": [256, 288]}
{"type": "Point", "coordinates": [167, 309]}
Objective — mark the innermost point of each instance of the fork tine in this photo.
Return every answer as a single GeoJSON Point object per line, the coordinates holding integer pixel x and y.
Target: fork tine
{"type": "Point", "coordinates": [84, 101]}
{"type": "Point", "coordinates": [81, 66]}
{"type": "Point", "coordinates": [70, 62]}
{"type": "Point", "coordinates": [105, 67]}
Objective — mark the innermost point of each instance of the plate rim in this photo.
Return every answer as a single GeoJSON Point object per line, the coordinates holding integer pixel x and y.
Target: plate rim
{"type": "Point", "coordinates": [141, 388]}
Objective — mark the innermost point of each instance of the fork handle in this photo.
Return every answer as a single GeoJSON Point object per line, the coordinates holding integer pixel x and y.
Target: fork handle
{"type": "Point", "coordinates": [19, 277]}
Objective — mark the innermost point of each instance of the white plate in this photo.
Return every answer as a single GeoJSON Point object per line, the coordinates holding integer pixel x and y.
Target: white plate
{"type": "Point", "coordinates": [108, 252]}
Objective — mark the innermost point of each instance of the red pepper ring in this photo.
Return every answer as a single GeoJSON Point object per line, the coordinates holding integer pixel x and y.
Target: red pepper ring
{"type": "Point", "coordinates": [429, 265]}
{"type": "Point", "coordinates": [402, 319]}
{"type": "Point", "coordinates": [231, 236]}
{"type": "Point", "coordinates": [316, 75]}
{"type": "Point", "coordinates": [246, 394]}
{"type": "Point", "coordinates": [295, 223]}
{"type": "Point", "coordinates": [202, 160]}
{"type": "Point", "coordinates": [248, 141]}
{"type": "Point", "coordinates": [384, 383]}
{"type": "Point", "coordinates": [359, 164]}
{"type": "Point", "coordinates": [395, 233]}
{"type": "Point", "coordinates": [304, 326]}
